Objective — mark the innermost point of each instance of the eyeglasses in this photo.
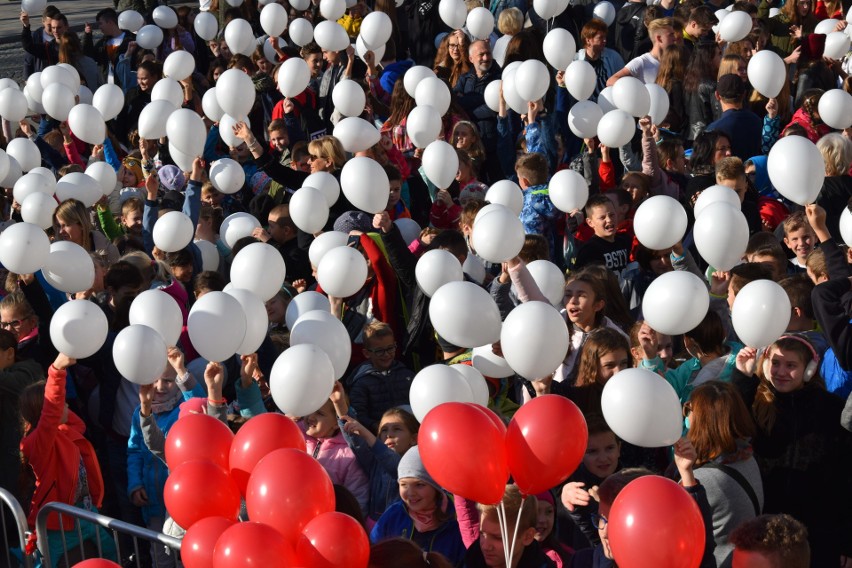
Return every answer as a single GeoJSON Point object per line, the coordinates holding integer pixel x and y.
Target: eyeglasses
{"type": "Point", "coordinates": [314, 157]}
{"type": "Point", "coordinates": [453, 45]}
{"type": "Point", "coordinates": [382, 350]}
{"type": "Point", "coordinates": [598, 521]}
{"type": "Point", "coordinates": [13, 324]}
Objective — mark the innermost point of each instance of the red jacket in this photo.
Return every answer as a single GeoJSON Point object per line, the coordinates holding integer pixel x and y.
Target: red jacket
{"type": "Point", "coordinates": [54, 450]}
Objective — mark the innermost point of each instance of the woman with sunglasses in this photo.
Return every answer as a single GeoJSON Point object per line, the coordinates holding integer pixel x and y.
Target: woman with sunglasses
{"type": "Point", "coordinates": [717, 453]}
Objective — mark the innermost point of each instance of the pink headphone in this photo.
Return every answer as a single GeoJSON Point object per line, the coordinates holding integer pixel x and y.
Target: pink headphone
{"type": "Point", "coordinates": [810, 369]}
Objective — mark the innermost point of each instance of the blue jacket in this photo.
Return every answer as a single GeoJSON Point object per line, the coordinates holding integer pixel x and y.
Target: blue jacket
{"type": "Point", "coordinates": [381, 464]}
{"type": "Point", "coordinates": [446, 539]}
{"type": "Point", "coordinates": [539, 215]}
{"type": "Point", "coordinates": [143, 468]}
{"type": "Point", "coordinates": [837, 379]}
{"type": "Point", "coordinates": [373, 392]}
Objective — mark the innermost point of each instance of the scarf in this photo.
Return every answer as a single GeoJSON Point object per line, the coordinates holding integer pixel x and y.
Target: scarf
{"type": "Point", "coordinates": [165, 402]}
{"type": "Point", "coordinates": [426, 521]}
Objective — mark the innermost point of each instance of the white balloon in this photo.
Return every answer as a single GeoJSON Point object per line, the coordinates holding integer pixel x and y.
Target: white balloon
{"type": "Point", "coordinates": [796, 169]}
{"type": "Point", "coordinates": [273, 19]}
{"type": "Point", "coordinates": [165, 17]}
{"type": "Point", "coordinates": [642, 408]}
{"type": "Point", "coordinates": [87, 124]}
{"type": "Point", "coordinates": [301, 380]}
{"type": "Point", "coordinates": [293, 77]}
{"type": "Point", "coordinates": [435, 385]}
{"type": "Point", "coordinates": [435, 268]}
{"type": "Point", "coordinates": [179, 65]}
{"type": "Point", "coordinates": [324, 243]}
{"type": "Point", "coordinates": [86, 96]}
{"type": "Point", "coordinates": [361, 49]}
{"type": "Point", "coordinates": [342, 271]}
{"type": "Point", "coordinates": [508, 193]}
{"type": "Point", "coordinates": [826, 26]}
{"type": "Point", "coordinates": [440, 163]}
{"type": "Point", "coordinates": [534, 340]}
{"type": "Point", "coordinates": [465, 315]}
{"type": "Point", "coordinates": [206, 26]}
{"type": "Point", "coordinates": [69, 267]}
{"type": "Point", "coordinates": [79, 186]}
{"type": "Point", "coordinates": [326, 183]}
{"type": "Point", "coordinates": [327, 332]}
{"type": "Point", "coordinates": [713, 194]}
{"type": "Point", "coordinates": [12, 174]}
{"type": "Point", "coordinates": [675, 302]}
{"type": "Point", "coordinates": [226, 129]}
{"type": "Point", "coordinates": [835, 108]}
{"type": "Point", "coordinates": [13, 105]}
{"type": "Point", "coordinates": [836, 45]}
{"type": "Point", "coordinates": [173, 231]}
{"type": "Point", "coordinates": [365, 184]}
{"type": "Point", "coordinates": [583, 119]}
{"type": "Point", "coordinates": [25, 152]}
{"type": "Point", "coordinates": [433, 92]}
{"type": "Point", "coordinates": [227, 176]}
{"type": "Point", "coordinates": [38, 209]}
{"type": "Point", "coordinates": [617, 128]}
{"type": "Point", "coordinates": [309, 209]}
{"type": "Point", "coordinates": [605, 11]}
{"type": "Point", "coordinates": [605, 100]}
{"type": "Point", "coordinates": [550, 280]}
{"type": "Point", "coordinates": [532, 79]}
{"type": "Point", "coordinates": [348, 96]}
{"type": "Point", "coordinates": [140, 354]}
{"type": "Point", "coordinates": [209, 254]}
{"type": "Point", "coordinates": [376, 29]}
{"type": "Point", "coordinates": [239, 37]}
{"type": "Point", "coordinates": [304, 303]}
{"type": "Point", "coordinates": [153, 118]}
{"type": "Point", "coordinates": [486, 362]}
{"type": "Point", "coordinates": [580, 79]}
{"type": "Point", "coordinates": [159, 311]}
{"type": "Point", "coordinates": [721, 235]}
{"type": "Point", "coordinates": [4, 164]}
{"type": "Point", "coordinates": [423, 125]}
{"type": "Point", "coordinates": [548, 9]}
{"type": "Point", "coordinates": [631, 96]}
{"type": "Point", "coordinates": [109, 100]}
{"type": "Point", "coordinates": [58, 100]}
{"type": "Point", "coordinates": [332, 9]}
{"type": "Point", "coordinates": [78, 328]}
{"type": "Point", "coordinates": [492, 95]}
{"type": "Point", "coordinates": [499, 50]}
{"type": "Point", "coordinates": [59, 74]}
{"type": "Point", "coordinates": [474, 268]}
{"type": "Point", "coordinates": [7, 83]}
{"type": "Point", "coordinates": [846, 226]}
{"type": "Point", "coordinates": [767, 73]}
{"type": "Point", "coordinates": [515, 101]}
{"type": "Point", "coordinates": [476, 382]}
{"type": "Point", "coordinates": [149, 37]}
{"type": "Point", "coordinates": [409, 228]}
{"type": "Point", "coordinates": [356, 134]}
{"type": "Point", "coordinates": [499, 235]}
{"type": "Point", "coordinates": [257, 320]}
{"type": "Point", "coordinates": [453, 13]}
{"type": "Point", "coordinates": [559, 48]}
{"type": "Point", "coordinates": [186, 131]}
{"type": "Point", "coordinates": [331, 36]}
{"type": "Point", "coordinates": [659, 102]}
{"type": "Point", "coordinates": [33, 86]}
{"type": "Point", "coordinates": [774, 12]}
{"type": "Point", "coordinates": [131, 20]}
{"type": "Point", "coordinates": [259, 268]}
{"type": "Point", "coordinates": [660, 222]}
{"type": "Point", "coordinates": [33, 6]}
{"type": "Point", "coordinates": [735, 26]}
{"type": "Point", "coordinates": [231, 89]}
{"type": "Point", "coordinates": [302, 33]}
{"type": "Point", "coordinates": [236, 226]}
{"type": "Point", "coordinates": [181, 159]}
{"type": "Point", "coordinates": [210, 105]}
{"type": "Point", "coordinates": [480, 23]}
{"type": "Point", "coordinates": [216, 325]}
{"type": "Point", "coordinates": [169, 90]}
{"type": "Point", "coordinates": [103, 173]}
{"type": "Point", "coordinates": [31, 183]}
{"type": "Point", "coordinates": [568, 190]}
{"type": "Point", "coordinates": [761, 313]}
{"type": "Point", "coordinates": [413, 76]}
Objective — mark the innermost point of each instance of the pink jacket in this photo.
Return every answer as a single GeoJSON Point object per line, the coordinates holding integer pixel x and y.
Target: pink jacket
{"type": "Point", "coordinates": [340, 463]}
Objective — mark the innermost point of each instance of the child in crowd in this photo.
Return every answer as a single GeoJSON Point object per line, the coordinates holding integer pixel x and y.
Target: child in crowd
{"type": "Point", "coordinates": [538, 213]}
{"type": "Point", "coordinates": [799, 237]}
{"type": "Point", "coordinates": [606, 246]}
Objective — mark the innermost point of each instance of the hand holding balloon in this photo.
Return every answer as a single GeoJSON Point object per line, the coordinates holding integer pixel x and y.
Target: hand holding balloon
{"type": "Point", "coordinates": [684, 458]}
{"type": "Point", "coordinates": [719, 282]}
{"type": "Point", "coordinates": [573, 495]}
{"type": "Point", "coordinates": [648, 341]}
{"type": "Point", "coordinates": [176, 360]}
{"type": "Point", "coordinates": [339, 399]}
{"type": "Point", "coordinates": [816, 218]}
{"type": "Point", "coordinates": [146, 398]}
{"type": "Point", "coordinates": [152, 186]}
{"type": "Point", "coordinates": [772, 107]}
{"type": "Point", "coordinates": [197, 170]}
{"type": "Point", "coordinates": [747, 361]}
{"type": "Point", "coordinates": [214, 376]}
{"type": "Point", "coordinates": [249, 370]}
{"type": "Point", "coordinates": [383, 221]}
{"type": "Point", "coordinates": [352, 426]}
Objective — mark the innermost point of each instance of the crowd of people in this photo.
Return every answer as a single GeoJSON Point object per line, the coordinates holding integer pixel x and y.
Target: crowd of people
{"type": "Point", "coordinates": [767, 437]}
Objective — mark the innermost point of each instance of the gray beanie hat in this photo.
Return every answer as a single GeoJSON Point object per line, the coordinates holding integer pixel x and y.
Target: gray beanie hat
{"type": "Point", "coordinates": [412, 466]}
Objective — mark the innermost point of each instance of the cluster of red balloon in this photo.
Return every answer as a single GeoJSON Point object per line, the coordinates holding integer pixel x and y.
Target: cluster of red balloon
{"type": "Point", "coordinates": [289, 497]}
{"type": "Point", "coordinates": [468, 451]}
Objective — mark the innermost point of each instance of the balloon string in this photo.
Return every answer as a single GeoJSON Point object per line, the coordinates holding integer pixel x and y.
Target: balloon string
{"type": "Point", "coordinates": [504, 531]}
{"type": "Point", "coordinates": [515, 536]}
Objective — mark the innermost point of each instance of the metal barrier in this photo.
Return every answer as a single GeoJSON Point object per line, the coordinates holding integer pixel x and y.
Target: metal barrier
{"type": "Point", "coordinates": [116, 528]}
{"type": "Point", "coordinates": [8, 501]}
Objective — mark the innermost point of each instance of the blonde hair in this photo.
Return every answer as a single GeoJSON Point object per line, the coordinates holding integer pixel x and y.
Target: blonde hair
{"type": "Point", "coordinates": [836, 150]}
{"type": "Point", "coordinates": [330, 148]}
{"type": "Point", "coordinates": [512, 502]}
{"type": "Point", "coordinates": [510, 22]}
{"type": "Point", "coordinates": [72, 211]}
{"type": "Point", "coordinates": [150, 269]}
{"type": "Point", "coordinates": [659, 24]}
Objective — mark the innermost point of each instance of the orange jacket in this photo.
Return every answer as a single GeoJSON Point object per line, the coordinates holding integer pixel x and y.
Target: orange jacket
{"type": "Point", "coordinates": [54, 451]}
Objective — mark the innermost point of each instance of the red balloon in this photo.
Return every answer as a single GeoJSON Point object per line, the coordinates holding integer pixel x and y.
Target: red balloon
{"type": "Point", "coordinates": [334, 540]}
{"type": "Point", "coordinates": [198, 437]}
{"type": "Point", "coordinates": [259, 436]}
{"type": "Point", "coordinates": [464, 452]}
{"type": "Point", "coordinates": [200, 539]}
{"type": "Point", "coordinates": [545, 442]}
{"type": "Point", "coordinates": [286, 490]}
{"type": "Point", "coordinates": [199, 489]}
{"type": "Point", "coordinates": [496, 420]}
{"type": "Point", "coordinates": [97, 563]}
{"type": "Point", "coordinates": [252, 545]}
{"type": "Point", "coordinates": [655, 523]}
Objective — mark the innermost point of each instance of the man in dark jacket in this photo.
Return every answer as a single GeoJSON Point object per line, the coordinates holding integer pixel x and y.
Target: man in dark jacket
{"type": "Point", "coordinates": [282, 235]}
{"type": "Point", "coordinates": [113, 43]}
{"type": "Point", "coordinates": [42, 36]}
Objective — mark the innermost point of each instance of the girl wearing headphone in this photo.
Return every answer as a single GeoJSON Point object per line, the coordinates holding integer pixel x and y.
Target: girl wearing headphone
{"type": "Point", "coordinates": [803, 452]}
